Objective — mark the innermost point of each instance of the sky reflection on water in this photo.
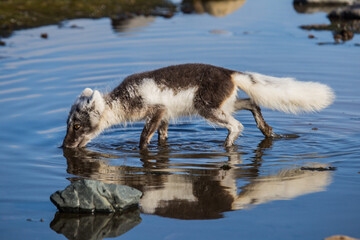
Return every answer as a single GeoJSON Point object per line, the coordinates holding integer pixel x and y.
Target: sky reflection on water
{"type": "Point", "coordinates": [239, 193]}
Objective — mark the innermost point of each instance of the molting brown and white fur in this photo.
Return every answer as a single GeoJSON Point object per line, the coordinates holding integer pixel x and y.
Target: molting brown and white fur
{"type": "Point", "coordinates": [190, 89]}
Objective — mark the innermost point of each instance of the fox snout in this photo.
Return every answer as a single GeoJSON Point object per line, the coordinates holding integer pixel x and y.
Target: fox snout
{"type": "Point", "coordinates": [75, 138]}
{"type": "Point", "coordinates": [70, 142]}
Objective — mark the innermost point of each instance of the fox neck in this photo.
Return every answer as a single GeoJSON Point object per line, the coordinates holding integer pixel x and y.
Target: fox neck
{"type": "Point", "coordinates": [113, 113]}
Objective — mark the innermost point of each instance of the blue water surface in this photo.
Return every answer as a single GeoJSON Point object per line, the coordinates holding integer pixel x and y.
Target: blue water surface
{"type": "Point", "coordinates": [193, 187]}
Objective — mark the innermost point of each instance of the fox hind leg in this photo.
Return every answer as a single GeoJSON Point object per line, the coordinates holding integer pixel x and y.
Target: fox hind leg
{"type": "Point", "coordinates": [248, 104]}
{"type": "Point", "coordinates": [223, 119]}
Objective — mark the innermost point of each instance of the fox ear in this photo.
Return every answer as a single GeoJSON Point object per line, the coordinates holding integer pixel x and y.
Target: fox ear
{"type": "Point", "coordinates": [84, 98]}
{"type": "Point", "coordinates": [86, 93]}
{"type": "Point", "coordinates": [97, 101]}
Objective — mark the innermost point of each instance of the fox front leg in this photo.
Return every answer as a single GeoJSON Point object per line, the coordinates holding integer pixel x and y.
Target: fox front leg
{"type": "Point", "coordinates": [152, 123]}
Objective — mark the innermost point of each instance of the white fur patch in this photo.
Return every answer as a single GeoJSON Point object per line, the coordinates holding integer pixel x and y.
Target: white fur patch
{"type": "Point", "coordinates": [177, 103]}
{"type": "Point", "coordinates": [98, 101]}
{"type": "Point", "coordinates": [229, 103]}
{"type": "Point", "coordinates": [285, 94]}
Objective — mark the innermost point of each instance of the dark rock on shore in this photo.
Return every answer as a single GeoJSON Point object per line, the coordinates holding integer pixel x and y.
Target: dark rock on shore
{"type": "Point", "coordinates": [311, 6]}
{"type": "Point", "coordinates": [344, 22]}
{"type": "Point", "coordinates": [326, 2]}
{"type": "Point", "coordinates": [343, 35]}
{"type": "Point", "coordinates": [347, 13]}
{"type": "Point", "coordinates": [19, 14]}
{"type": "Point", "coordinates": [337, 26]}
{"type": "Point", "coordinates": [87, 196]}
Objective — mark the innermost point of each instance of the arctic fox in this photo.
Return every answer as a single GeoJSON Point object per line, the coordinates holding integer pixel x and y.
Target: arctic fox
{"type": "Point", "coordinates": [190, 89]}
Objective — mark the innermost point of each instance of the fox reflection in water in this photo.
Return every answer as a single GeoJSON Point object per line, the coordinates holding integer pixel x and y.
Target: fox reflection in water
{"type": "Point", "coordinates": [201, 193]}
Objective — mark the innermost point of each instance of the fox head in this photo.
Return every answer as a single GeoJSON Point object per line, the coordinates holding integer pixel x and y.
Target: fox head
{"type": "Point", "coordinates": [84, 121]}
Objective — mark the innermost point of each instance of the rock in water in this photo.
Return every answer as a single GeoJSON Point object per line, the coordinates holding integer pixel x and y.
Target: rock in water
{"type": "Point", "coordinates": [84, 196]}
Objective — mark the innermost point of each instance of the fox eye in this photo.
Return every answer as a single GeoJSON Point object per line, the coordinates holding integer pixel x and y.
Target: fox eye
{"type": "Point", "coordinates": [77, 126]}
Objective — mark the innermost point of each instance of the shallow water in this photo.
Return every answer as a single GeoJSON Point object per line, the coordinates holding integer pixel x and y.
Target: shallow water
{"type": "Point", "coordinates": [259, 189]}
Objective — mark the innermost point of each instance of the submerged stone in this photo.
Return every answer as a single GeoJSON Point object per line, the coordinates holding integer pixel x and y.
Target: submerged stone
{"type": "Point", "coordinates": [93, 196]}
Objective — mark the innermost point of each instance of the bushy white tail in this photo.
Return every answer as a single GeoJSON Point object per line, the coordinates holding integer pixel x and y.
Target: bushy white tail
{"type": "Point", "coordinates": [285, 94]}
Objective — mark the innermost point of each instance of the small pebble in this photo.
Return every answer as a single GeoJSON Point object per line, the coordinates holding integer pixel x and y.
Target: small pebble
{"type": "Point", "coordinates": [76, 26]}
{"type": "Point", "coordinates": [219, 32]}
{"type": "Point", "coordinates": [44, 35]}
{"type": "Point", "coordinates": [311, 36]}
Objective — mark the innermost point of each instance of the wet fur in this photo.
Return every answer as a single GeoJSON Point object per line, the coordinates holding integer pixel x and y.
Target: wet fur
{"type": "Point", "coordinates": [190, 89]}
